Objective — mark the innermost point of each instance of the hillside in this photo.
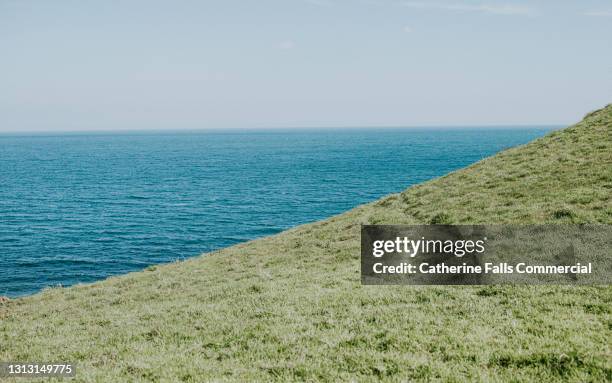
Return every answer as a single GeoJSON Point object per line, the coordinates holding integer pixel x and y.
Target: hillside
{"type": "Point", "coordinates": [291, 307]}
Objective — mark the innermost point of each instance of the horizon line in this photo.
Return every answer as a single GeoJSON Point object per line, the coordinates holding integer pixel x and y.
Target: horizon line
{"type": "Point", "coordinates": [274, 129]}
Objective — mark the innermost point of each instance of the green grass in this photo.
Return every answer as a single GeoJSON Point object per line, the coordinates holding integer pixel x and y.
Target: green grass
{"type": "Point", "coordinates": [291, 307]}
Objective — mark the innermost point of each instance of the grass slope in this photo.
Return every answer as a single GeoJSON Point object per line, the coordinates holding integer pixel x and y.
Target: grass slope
{"type": "Point", "coordinates": [291, 307]}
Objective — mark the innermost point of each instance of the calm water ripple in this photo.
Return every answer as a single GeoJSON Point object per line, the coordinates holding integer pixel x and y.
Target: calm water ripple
{"type": "Point", "coordinates": [78, 208]}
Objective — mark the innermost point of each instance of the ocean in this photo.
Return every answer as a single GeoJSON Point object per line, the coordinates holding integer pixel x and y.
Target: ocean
{"type": "Point", "coordinates": [76, 208]}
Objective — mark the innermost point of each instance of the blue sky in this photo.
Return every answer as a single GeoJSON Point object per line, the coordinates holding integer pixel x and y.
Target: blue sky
{"type": "Point", "coordinates": [104, 65]}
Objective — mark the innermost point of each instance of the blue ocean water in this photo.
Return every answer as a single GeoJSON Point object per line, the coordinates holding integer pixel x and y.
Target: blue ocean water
{"type": "Point", "coordinates": [80, 207]}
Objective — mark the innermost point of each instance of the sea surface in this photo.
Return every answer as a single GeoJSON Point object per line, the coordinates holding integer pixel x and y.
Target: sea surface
{"type": "Point", "coordinates": [77, 208]}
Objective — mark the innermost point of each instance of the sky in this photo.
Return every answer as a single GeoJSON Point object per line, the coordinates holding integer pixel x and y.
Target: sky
{"type": "Point", "coordinates": [130, 65]}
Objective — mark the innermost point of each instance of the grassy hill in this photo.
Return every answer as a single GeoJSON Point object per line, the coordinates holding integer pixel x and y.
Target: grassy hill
{"type": "Point", "coordinates": [291, 307]}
